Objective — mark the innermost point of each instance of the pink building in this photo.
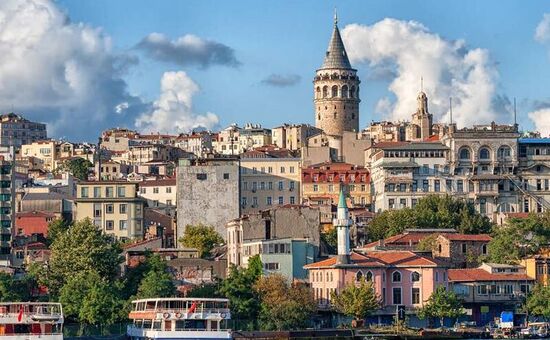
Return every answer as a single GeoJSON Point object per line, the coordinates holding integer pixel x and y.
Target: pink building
{"type": "Point", "coordinates": [400, 277]}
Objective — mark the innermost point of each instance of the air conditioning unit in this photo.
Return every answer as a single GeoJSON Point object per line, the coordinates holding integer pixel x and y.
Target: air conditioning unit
{"type": "Point", "coordinates": [253, 190]}
{"type": "Point", "coordinates": [291, 189]}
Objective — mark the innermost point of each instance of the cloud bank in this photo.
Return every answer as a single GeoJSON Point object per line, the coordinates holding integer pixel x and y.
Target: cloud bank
{"type": "Point", "coordinates": [188, 50]}
{"type": "Point", "coordinates": [542, 32]}
{"type": "Point", "coordinates": [173, 111]}
{"type": "Point", "coordinates": [407, 51]}
{"type": "Point", "coordinates": [281, 80]}
{"type": "Point", "coordinates": [59, 72]}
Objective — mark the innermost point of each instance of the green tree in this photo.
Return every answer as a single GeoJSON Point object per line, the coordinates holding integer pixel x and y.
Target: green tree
{"type": "Point", "coordinates": [156, 284]}
{"type": "Point", "coordinates": [356, 301]}
{"type": "Point", "coordinates": [207, 290]}
{"type": "Point", "coordinates": [330, 238]}
{"type": "Point", "coordinates": [55, 229]}
{"type": "Point", "coordinates": [538, 301]}
{"type": "Point", "coordinates": [442, 304]}
{"type": "Point", "coordinates": [78, 167]}
{"type": "Point", "coordinates": [518, 238]}
{"type": "Point", "coordinates": [14, 290]}
{"type": "Point", "coordinates": [428, 243]}
{"type": "Point", "coordinates": [283, 306]}
{"type": "Point", "coordinates": [203, 238]}
{"type": "Point", "coordinates": [238, 288]}
{"type": "Point", "coordinates": [434, 211]}
{"type": "Point", "coordinates": [83, 248]}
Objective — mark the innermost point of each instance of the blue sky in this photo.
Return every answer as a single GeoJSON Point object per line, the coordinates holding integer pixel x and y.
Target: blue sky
{"type": "Point", "coordinates": [289, 38]}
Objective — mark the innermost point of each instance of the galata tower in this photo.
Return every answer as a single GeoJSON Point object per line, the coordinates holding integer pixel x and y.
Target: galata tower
{"type": "Point", "coordinates": [336, 90]}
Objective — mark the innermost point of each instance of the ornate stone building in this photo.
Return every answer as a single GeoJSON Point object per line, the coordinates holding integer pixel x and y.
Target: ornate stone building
{"type": "Point", "coordinates": [420, 127]}
{"type": "Point", "coordinates": [336, 90]}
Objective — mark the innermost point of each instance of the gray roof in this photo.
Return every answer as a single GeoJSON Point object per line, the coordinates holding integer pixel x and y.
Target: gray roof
{"type": "Point", "coordinates": [336, 56]}
{"type": "Point", "coordinates": [397, 164]}
{"type": "Point", "coordinates": [31, 196]}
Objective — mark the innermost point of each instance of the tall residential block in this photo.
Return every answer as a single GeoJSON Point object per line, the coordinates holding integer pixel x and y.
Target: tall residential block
{"type": "Point", "coordinates": [16, 130]}
{"type": "Point", "coordinates": [207, 193]}
{"type": "Point", "coordinates": [7, 202]}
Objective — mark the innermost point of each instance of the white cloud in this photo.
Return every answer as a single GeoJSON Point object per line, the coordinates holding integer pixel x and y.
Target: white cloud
{"type": "Point", "coordinates": [542, 32]}
{"type": "Point", "coordinates": [449, 69]}
{"type": "Point", "coordinates": [59, 72]}
{"type": "Point", "coordinates": [384, 106]}
{"type": "Point", "coordinates": [173, 111]}
{"type": "Point", "coordinates": [541, 119]}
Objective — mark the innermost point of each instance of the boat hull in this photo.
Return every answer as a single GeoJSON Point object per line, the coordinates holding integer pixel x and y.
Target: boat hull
{"type": "Point", "coordinates": [137, 333]}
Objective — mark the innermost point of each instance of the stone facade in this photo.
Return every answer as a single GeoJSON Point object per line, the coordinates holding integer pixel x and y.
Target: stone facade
{"type": "Point", "coordinates": [207, 193]}
{"type": "Point", "coordinates": [461, 250]}
{"type": "Point", "coordinates": [336, 90]}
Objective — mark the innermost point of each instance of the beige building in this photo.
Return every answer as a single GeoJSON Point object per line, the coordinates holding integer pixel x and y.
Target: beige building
{"type": "Point", "coordinates": [292, 136]}
{"type": "Point", "coordinates": [113, 206]}
{"type": "Point", "coordinates": [159, 193]}
{"type": "Point", "coordinates": [533, 181]}
{"type": "Point", "coordinates": [269, 177]}
{"type": "Point", "coordinates": [51, 153]}
{"type": "Point", "coordinates": [117, 139]}
{"type": "Point", "coordinates": [226, 142]}
{"type": "Point", "coordinates": [253, 136]}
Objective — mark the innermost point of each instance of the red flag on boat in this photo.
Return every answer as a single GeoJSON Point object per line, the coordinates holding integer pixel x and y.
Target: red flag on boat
{"type": "Point", "coordinates": [192, 308]}
{"type": "Point", "coordinates": [20, 315]}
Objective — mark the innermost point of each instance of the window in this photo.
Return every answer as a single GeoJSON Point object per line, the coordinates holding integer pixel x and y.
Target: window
{"type": "Point", "coordinates": [391, 203]}
{"type": "Point", "coordinates": [168, 190]}
{"type": "Point", "coordinates": [109, 209]}
{"type": "Point", "coordinates": [460, 185]}
{"type": "Point", "coordinates": [201, 177]}
{"type": "Point", "coordinates": [281, 200]}
{"type": "Point", "coordinates": [369, 276]}
{"type": "Point", "coordinates": [464, 154]}
{"type": "Point", "coordinates": [437, 185]}
{"type": "Point", "coordinates": [358, 276]}
{"type": "Point", "coordinates": [109, 192]}
{"type": "Point", "coordinates": [315, 187]}
{"type": "Point", "coordinates": [122, 208]}
{"type": "Point", "coordinates": [109, 225]}
{"type": "Point", "coordinates": [226, 175]}
{"type": "Point", "coordinates": [482, 206]}
{"type": "Point", "coordinates": [292, 200]}
{"type": "Point", "coordinates": [123, 225]}
{"type": "Point", "coordinates": [243, 201]}
{"type": "Point", "coordinates": [396, 295]}
{"type": "Point", "coordinates": [402, 202]}
{"type": "Point", "coordinates": [271, 266]}
{"type": "Point", "coordinates": [484, 249]}
{"type": "Point", "coordinates": [484, 154]}
{"type": "Point", "coordinates": [268, 200]}
{"type": "Point", "coordinates": [269, 170]}
{"type": "Point", "coordinates": [396, 276]}
{"type": "Point", "coordinates": [280, 185]}
{"type": "Point", "coordinates": [291, 169]}
{"type": "Point", "coordinates": [97, 210]}
{"type": "Point", "coordinates": [121, 191]}
{"type": "Point", "coordinates": [97, 192]}
{"type": "Point", "coordinates": [155, 190]}
{"type": "Point", "coordinates": [415, 296]}
{"type": "Point", "coordinates": [168, 202]}
{"type": "Point", "coordinates": [464, 248]}
{"type": "Point", "coordinates": [143, 190]}
{"type": "Point", "coordinates": [425, 185]}
{"type": "Point", "coordinates": [84, 192]}
{"type": "Point", "coordinates": [283, 169]}
{"type": "Point", "coordinates": [415, 277]}
{"type": "Point", "coordinates": [482, 290]}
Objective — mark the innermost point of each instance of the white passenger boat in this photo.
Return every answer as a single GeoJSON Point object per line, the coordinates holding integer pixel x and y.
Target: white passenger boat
{"type": "Point", "coordinates": [31, 320]}
{"type": "Point", "coordinates": [179, 318]}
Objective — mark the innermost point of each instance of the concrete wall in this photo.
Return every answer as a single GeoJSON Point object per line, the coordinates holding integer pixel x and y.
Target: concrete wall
{"type": "Point", "coordinates": [213, 200]}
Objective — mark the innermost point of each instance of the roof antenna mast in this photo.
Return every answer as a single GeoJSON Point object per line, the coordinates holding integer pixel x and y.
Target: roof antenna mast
{"type": "Point", "coordinates": [451, 109]}
{"type": "Point", "coordinates": [335, 17]}
{"type": "Point", "coordinates": [515, 113]}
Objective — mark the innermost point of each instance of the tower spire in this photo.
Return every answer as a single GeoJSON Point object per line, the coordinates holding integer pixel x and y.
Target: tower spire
{"type": "Point", "coordinates": [336, 56]}
{"type": "Point", "coordinates": [335, 17]}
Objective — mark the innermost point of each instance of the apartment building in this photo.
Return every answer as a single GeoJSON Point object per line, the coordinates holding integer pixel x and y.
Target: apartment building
{"type": "Point", "coordinates": [7, 202]}
{"type": "Point", "coordinates": [404, 172]}
{"type": "Point", "coordinates": [321, 184]}
{"type": "Point", "coordinates": [226, 142]}
{"type": "Point", "coordinates": [16, 130]}
{"type": "Point", "coordinates": [253, 136]}
{"type": "Point", "coordinates": [198, 143]}
{"type": "Point", "coordinates": [207, 193]}
{"type": "Point", "coordinates": [117, 139]}
{"type": "Point", "coordinates": [533, 176]}
{"type": "Point", "coordinates": [293, 136]}
{"type": "Point", "coordinates": [113, 206]}
{"type": "Point", "coordinates": [159, 192]}
{"type": "Point", "coordinates": [270, 177]}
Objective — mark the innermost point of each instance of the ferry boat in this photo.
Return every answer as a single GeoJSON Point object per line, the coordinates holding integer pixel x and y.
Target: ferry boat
{"type": "Point", "coordinates": [179, 318]}
{"type": "Point", "coordinates": [31, 320]}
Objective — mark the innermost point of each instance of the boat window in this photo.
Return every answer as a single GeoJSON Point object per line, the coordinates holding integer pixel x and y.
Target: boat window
{"type": "Point", "coordinates": [157, 325]}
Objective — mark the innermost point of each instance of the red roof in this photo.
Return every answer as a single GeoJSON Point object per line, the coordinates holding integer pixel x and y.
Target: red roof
{"type": "Point", "coordinates": [158, 182]}
{"type": "Point", "coordinates": [381, 259]}
{"type": "Point", "coordinates": [517, 214]}
{"type": "Point", "coordinates": [432, 138]}
{"type": "Point", "coordinates": [401, 239]}
{"type": "Point", "coordinates": [478, 274]}
{"type": "Point", "coordinates": [467, 237]}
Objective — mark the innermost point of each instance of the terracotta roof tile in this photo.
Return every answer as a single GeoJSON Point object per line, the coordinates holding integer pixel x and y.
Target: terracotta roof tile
{"type": "Point", "coordinates": [381, 259]}
{"type": "Point", "coordinates": [478, 274]}
{"type": "Point", "coordinates": [467, 237]}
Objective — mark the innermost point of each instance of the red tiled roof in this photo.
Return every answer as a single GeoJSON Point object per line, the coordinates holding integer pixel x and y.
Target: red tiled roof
{"type": "Point", "coordinates": [380, 259]}
{"type": "Point", "coordinates": [401, 239]}
{"type": "Point", "coordinates": [432, 138]}
{"type": "Point", "coordinates": [517, 214]}
{"type": "Point", "coordinates": [478, 274]}
{"type": "Point", "coordinates": [467, 237]}
{"type": "Point", "coordinates": [158, 182]}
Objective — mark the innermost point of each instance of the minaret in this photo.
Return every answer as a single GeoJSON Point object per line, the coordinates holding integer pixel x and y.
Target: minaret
{"type": "Point", "coordinates": [336, 89]}
{"type": "Point", "coordinates": [342, 223]}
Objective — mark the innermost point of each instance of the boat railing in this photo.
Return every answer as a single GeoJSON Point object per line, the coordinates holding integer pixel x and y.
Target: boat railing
{"type": "Point", "coordinates": [184, 310]}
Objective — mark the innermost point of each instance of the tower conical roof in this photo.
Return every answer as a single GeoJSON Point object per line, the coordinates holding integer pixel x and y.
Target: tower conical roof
{"type": "Point", "coordinates": [342, 199]}
{"type": "Point", "coordinates": [336, 56]}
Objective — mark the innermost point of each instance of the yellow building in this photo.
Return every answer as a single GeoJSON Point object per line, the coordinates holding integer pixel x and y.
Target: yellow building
{"type": "Point", "coordinates": [270, 177]}
{"type": "Point", "coordinates": [538, 266]}
{"type": "Point", "coordinates": [113, 206]}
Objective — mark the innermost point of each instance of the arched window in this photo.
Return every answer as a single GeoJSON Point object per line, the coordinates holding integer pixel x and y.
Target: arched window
{"type": "Point", "coordinates": [327, 277]}
{"type": "Point", "coordinates": [318, 92]}
{"type": "Point", "coordinates": [484, 153]}
{"type": "Point", "coordinates": [415, 277]}
{"type": "Point", "coordinates": [353, 116]}
{"type": "Point", "coordinates": [319, 116]}
{"type": "Point", "coordinates": [396, 276]}
{"type": "Point", "coordinates": [352, 92]}
{"type": "Point", "coordinates": [358, 276]}
{"type": "Point", "coordinates": [504, 152]}
{"type": "Point", "coordinates": [331, 277]}
{"type": "Point", "coordinates": [325, 91]}
{"type": "Point", "coordinates": [334, 91]}
{"type": "Point", "coordinates": [344, 91]}
{"type": "Point", "coordinates": [335, 115]}
{"type": "Point", "coordinates": [464, 154]}
{"type": "Point", "coordinates": [439, 248]}
{"type": "Point", "coordinates": [369, 276]}
{"type": "Point", "coordinates": [484, 249]}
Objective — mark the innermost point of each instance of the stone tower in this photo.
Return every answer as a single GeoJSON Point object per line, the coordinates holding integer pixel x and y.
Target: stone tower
{"type": "Point", "coordinates": [342, 223]}
{"type": "Point", "coordinates": [336, 90]}
{"type": "Point", "coordinates": [422, 120]}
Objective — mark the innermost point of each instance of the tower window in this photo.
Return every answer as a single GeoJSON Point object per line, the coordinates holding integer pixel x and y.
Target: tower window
{"type": "Point", "coordinates": [325, 91]}
{"type": "Point", "coordinates": [344, 91]}
{"type": "Point", "coordinates": [352, 92]}
{"type": "Point", "coordinates": [334, 91]}
{"type": "Point", "coordinates": [335, 115]}
{"type": "Point", "coordinates": [353, 116]}
{"type": "Point", "coordinates": [318, 117]}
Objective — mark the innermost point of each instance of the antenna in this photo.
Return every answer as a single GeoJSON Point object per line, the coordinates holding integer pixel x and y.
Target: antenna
{"type": "Point", "coordinates": [515, 113]}
{"type": "Point", "coordinates": [451, 108]}
{"type": "Point", "coordinates": [335, 17]}
{"type": "Point", "coordinates": [422, 83]}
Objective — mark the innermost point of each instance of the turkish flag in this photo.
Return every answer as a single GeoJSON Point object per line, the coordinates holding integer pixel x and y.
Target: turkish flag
{"type": "Point", "coordinates": [192, 308]}
{"type": "Point", "coordinates": [20, 315]}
